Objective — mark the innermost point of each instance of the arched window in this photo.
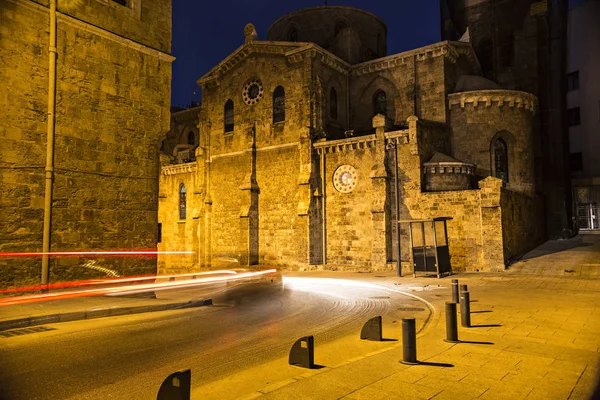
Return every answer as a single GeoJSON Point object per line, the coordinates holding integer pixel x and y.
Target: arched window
{"type": "Point", "coordinates": [229, 116]}
{"type": "Point", "coordinates": [182, 202]}
{"type": "Point", "coordinates": [191, 138]}
{"type": "Point", "coordinates": [380, 103]}
{"type": "Point", "coordinates": [333, 104]}
{"type": "Point", "coordinates": [501, 159]}
{"type": "Point", "coordinates": [292, 35]}
{"type": "Point", "coordinates": [278, 104]}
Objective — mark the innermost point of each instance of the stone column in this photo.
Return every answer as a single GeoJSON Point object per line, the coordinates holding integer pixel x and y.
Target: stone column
{"type": "Point", "coordinates": [248, 242]}
{"type": "Point", "coordinates": [305, 201]}
{"type": "Point", "coordinates": [379, 201]}
{"type": "Point", "coordinates": [491, 225]}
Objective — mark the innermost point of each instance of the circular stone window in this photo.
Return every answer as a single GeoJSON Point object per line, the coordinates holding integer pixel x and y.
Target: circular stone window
{"type": "Point", "coordinates": [252, 92]}
{"type": "Point", "coordinates": [345, 178]}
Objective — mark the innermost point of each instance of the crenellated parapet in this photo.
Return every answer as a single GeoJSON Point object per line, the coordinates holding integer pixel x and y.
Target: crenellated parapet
{"type": "Point", "coordinates": [335, 146]}
{"type": "Point", "coordinates": [179, 169]}
{"type": "Point", "coordinates": [495, 98]}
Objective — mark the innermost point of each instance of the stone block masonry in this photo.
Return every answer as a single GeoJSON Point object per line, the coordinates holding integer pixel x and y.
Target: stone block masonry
{"type": "Point", "coordinates": [316, 187]}
{"type": "Point", "coordinates": [113, 89]}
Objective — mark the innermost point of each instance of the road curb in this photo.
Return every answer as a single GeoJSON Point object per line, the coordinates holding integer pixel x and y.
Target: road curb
{"type": "Point", "coordinates": [99, 313]}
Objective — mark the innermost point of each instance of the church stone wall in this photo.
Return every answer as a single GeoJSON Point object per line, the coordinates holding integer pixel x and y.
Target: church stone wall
{"type": "Point", "coordinates": [257, 211]}
{"type": "Point", "coordinates": [226, 177]}
{"type": "Point", "coordinates": [415, 86]}
{"type": "Point", "coordinates": [112, 107]}
{"type": "Point", "coordinates": [464, 230]}
{"type": "Point", "coordinates": [332, 78]}
{"type": "Point", "coordinates": [179, 234]}
{"type": "Point", "coordinates": [272, 70]}
{"type": "Point", "coordinates": [522, 223]}
{"type": "Point", "coordinates": [350, 216]}
{"type": "Point", "coordinates": [279, 233]}
{"type": "Point", "coordinates": [479, 117]}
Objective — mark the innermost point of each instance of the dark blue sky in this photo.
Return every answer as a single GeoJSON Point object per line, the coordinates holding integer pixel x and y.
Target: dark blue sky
{"type": "Point", "coordinates": [205, 32]}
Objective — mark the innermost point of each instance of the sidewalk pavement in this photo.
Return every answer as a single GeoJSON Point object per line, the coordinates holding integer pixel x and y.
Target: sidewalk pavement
{"type": "Point", "coordinates": [535, 335]}
{"type": "Point", "coordinates": [545, 345]}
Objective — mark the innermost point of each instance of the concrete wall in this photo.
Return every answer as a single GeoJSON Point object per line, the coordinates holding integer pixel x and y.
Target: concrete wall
{"type": "Point", "coordinates": [112, 107]}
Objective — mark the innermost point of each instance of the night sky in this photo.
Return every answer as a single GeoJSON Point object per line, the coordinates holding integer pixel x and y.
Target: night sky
{"type": "Point", "coordinates": [205, 32]}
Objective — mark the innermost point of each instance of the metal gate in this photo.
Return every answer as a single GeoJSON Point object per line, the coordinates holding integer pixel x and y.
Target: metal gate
{"type": "Point", "coordinates": [588, 216]}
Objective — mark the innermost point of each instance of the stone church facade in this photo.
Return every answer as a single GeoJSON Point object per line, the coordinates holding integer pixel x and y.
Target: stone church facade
{"type": "Point", "coordinates": [113, 79]}
{"type": "Point", "coordinates": [302, 136]}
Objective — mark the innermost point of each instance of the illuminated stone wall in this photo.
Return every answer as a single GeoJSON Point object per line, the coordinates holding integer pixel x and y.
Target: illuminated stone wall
{"type": "Point", "coordinates": [269, 193]}
{"type": "Point", "coordinates": [113, 89]}
{"type": "Point", "coordinates": [478, 118]}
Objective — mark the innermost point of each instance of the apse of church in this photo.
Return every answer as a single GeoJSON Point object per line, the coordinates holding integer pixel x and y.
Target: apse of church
{"type": "Point", "coordinates": [303, 134]}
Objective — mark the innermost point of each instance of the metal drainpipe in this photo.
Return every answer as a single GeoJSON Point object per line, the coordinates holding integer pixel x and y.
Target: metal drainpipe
{"type": "Point", "coordinates": [49, 172]}
{"type": "Point", "coordinates": [397, 199]}
{"type": "Point", "coordinates": [323, 209]}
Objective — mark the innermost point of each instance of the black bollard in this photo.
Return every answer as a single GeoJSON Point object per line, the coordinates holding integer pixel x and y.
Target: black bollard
{"type": "Point", "coordinates": [302, 353]}
{"type": "Point", "coordinates": [463, 288]}
{"type": "Point", "coordinates": [465, 309]}
{"type": "Point", "coordinates": [455, 297]}
{"type": "Point", "coordinates": [409, 342]}
{"type": "Point", "coordinates": [372, 330]}
{"type": "Point", "coordinates": [176, 386]}
{"type": "Point", "coordinates": [451, 323]}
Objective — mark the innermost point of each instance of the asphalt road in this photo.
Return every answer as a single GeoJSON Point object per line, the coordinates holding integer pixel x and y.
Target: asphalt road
{"type": "Point", "coordinates": [128, 357]}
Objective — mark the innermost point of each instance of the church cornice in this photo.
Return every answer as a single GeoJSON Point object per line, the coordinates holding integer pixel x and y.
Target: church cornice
{"type": "Point", "coordinates": [295, 52]}
{"type": "Point", "coordinates": [240, 54]}
{"type": "Point", "coordinates": [499, 98]}
{"type": "Point", "coordinates": [448, 49]}
{"type": "Point", "coordinates": [326, 58]}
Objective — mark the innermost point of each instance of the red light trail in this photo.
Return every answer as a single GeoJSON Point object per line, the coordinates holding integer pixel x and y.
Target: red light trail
{"type": "Point", "coordinates": [95, 253]}
{"type": "Point", "coordinates": [140, 288]}
{"type": "Point", "coordinates": [91, 282]}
